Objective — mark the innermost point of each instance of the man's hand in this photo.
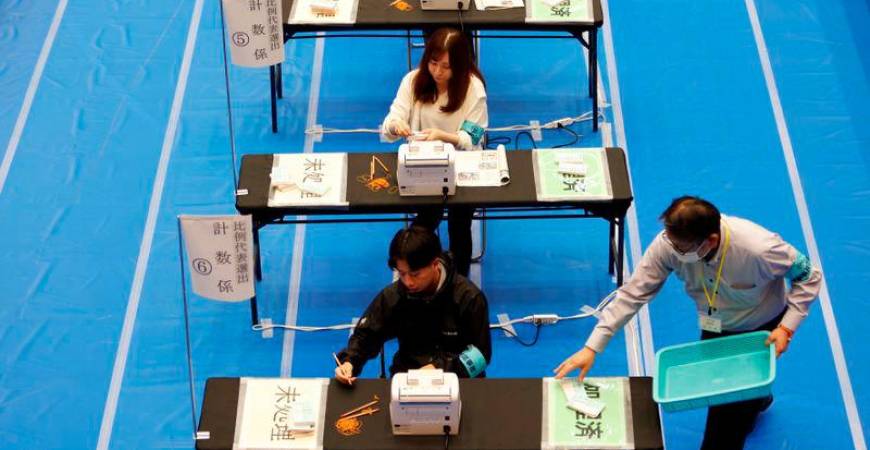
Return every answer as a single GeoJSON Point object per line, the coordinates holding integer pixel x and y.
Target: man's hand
{"type": "Point", "coordinates": [399, 129]}
{"type": "Point", "coordinates": [344, 373]}
{"type": "Point", "coordinates": [780, 338]}
{"type": "Point", "coordinates": [429, 366]}
{"type": "Point", "coordinates": [582, 360]}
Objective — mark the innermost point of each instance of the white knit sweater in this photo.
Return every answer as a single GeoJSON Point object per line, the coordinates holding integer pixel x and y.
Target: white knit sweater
{"type": "Point", "coordinates": [419, 116]}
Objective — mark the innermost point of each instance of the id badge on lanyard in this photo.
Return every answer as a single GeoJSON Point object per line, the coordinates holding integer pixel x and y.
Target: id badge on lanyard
{"type": "Point", "coordinates": [711, 321]}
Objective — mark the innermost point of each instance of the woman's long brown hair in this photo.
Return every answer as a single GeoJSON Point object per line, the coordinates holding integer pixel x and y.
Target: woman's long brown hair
{"type": "Point", "coordinates": [456, 45]}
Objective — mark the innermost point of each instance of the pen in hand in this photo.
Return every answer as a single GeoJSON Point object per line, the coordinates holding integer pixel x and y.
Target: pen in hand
{"type": "Point", "coordinates": [341, 369]}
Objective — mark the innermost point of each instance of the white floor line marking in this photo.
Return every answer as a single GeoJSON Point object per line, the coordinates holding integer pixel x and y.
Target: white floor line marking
{"type": "Point", "coordinates": [807, 228]}
{"type": "Point", "coordinates": [642, 319]}
{"type": "Point", "coordinates": [148, 234]}
{"type": "Point", "coordinates": [641, 323]}
{"type": "Point", "coordinates": [24, 113]}
{"type": "Point", "coordinates": [299, 235]}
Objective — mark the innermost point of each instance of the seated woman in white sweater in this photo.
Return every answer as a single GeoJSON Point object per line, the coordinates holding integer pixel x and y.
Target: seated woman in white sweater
{"type": "Point", "coordinates": [443, 99]}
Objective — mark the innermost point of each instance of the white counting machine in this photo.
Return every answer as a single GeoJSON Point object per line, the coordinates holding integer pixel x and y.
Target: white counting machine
{"type": "Point", "coordinates": [425, 402]}
{"type": "Point", "coordinates": [426, 168]}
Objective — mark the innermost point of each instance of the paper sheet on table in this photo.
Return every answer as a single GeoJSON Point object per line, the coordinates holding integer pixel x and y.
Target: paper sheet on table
{"type": "Point", "coordinates": [308, 179]}
{"type": "Point", "coordinates": [280, 413]}
{"type": "Point", "coordinates": [497, 4]}
{"type": "Point", "coordinates": [345, 13]}
{"type": "Point", "coordinates": [482, 168]}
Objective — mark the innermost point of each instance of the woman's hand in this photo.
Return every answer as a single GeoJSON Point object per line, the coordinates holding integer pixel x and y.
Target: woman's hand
{"type": "Point", "coordinates": [431, 134]}
{"type": "Point", "coordinates": [401, 129]}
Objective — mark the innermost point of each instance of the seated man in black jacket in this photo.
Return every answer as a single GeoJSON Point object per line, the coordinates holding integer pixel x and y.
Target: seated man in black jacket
{"type": "Point", "coordinates": [440, 318]}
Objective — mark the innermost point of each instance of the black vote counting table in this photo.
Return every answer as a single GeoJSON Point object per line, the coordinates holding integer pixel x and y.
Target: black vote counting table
{"type": "Point", "coordinates": [378, 15]}
{"type": "Point", "coordinates": [497, 414]}
{"type": "Point", "coordinates": [516, 200]}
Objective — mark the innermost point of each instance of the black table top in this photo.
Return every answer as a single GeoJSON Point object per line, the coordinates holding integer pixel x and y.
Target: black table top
{"type": "Point", "coordinates": [379, 15]}
{"type": "Point", "coordinates": [254, 178]}
{"type": "Point", "coordinates": [497, 413]}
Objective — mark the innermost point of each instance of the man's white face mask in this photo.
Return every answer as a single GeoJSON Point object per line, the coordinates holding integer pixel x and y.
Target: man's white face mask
{"type": "Point", "coordinates": [687, 258]}
{"type": "Point", "coordinates": [690, 256]}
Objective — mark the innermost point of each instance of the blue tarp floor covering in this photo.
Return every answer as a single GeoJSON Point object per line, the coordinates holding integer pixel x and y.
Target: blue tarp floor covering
{"type": "Point", "coordinates": [114, 121]}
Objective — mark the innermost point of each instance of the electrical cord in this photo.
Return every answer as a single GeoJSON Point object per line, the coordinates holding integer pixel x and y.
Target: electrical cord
{"type": "Point", "coordinates": [459, 5]}
{"type": "Point", "coordinates": [517, 337]}
{"type": "Point", "coordinates": [576, 136]}
{"type": "Point", "coordinates": [536, 319]}
{"type": "Point", "coordinates": [524, 133]}
{"type": "Point", "coordinates": [551, 125]}
{"type": "Point", "coordinates": [493, 142]}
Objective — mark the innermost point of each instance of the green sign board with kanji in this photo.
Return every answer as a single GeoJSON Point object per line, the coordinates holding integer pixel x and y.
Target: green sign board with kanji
{"type": "Point", "coordinates": [571, 174]}
{"type": "Point", "coordinates": [559, 11]}
{"type": "Point", "coordinates": [566, 428]}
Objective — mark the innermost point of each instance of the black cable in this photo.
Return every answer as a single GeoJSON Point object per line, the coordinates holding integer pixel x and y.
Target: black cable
{"type": "Point", "coordinates": [446, 437]}
{"type": "Point", "coordinates": [493, 142]}
{"type": "Point", "coordinates": [517, 337]}
{"type": "Point", "coordinates": [524, 133]}
{"type": "Point", "coordinates": [459, 4]}
{"type": "Point", "coordinates": [576, 136]}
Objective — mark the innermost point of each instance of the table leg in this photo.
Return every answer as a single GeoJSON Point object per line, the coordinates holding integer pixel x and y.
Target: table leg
{"type": "Point", "coordinates": [258, 270]}
{"type": "Point", "coordinates": [593, 75]}
{"type": "Point", "coordinates": [620, 252]}
{"type": "Point", "coordinates": [255, 317]}
{"type": "Point", "coordinates": [280, 82]}
{"type": "Point", "coordinates": [273, 94]}
{"type": "Point", "coordinates": [611, 247]}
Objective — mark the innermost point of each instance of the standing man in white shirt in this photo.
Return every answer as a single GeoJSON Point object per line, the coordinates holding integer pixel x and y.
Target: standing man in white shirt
{"type": "Point", "coordinates": [735, 271]}
{"type": "Point", "coordinates": [444, 99]}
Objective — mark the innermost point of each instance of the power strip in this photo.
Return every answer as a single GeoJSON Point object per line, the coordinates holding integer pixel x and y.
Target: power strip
{"type": "Point", "coordinates": [544, 319]}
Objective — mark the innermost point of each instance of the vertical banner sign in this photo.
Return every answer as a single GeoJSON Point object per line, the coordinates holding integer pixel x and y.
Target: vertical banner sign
{"type": "Point", "coordinates": [255, 32]}
{"type": "Point", "coordinates": [219, 256]}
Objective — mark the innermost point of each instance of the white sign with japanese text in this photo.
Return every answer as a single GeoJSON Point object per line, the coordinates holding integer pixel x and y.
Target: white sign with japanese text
{"type": "Point", "coordinates": [219, 254]}
{"type": "Point", "coordinates": [308, 179]}
{"type": "Point", "coordinates": [280, 413]}
{"type": "Point", "coordinates": [255, 32]}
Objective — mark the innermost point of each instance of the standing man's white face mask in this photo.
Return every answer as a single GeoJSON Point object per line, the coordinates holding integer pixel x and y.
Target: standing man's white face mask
{"type": "Point", "coordinates": [689, 254]}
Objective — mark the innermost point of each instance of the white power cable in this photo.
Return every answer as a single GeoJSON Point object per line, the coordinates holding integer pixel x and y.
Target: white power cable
{"type": "Point", "coordinates": [540, 319]}
{"type": "Point", "coordinates": [551, 125]}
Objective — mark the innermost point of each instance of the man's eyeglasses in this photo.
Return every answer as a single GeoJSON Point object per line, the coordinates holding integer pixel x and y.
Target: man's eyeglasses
{"type": "Point", "coordinates": [684, 250]}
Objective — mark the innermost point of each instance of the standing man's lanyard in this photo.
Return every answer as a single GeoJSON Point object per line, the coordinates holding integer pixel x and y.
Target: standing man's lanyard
{"type": "Point", "coordinates": [711, 300]}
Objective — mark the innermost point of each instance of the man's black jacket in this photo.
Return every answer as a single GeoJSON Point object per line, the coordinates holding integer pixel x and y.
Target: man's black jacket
{"type": "Point", "coordinates": [432, 330]}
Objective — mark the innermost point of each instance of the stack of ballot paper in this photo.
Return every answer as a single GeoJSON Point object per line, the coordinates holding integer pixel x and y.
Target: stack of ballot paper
{"type": "Point", "coordinates": [577, 399]}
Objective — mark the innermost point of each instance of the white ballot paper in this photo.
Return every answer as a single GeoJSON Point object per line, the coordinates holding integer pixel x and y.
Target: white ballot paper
{"type": "Point", "coordinates": [577, 399]}
{"type": "Point", "coordinates": [482, 168]}
{"type": "Point", "coordinates": [325, 12]}
{"type": "Point", "coordinates": [497, 4]}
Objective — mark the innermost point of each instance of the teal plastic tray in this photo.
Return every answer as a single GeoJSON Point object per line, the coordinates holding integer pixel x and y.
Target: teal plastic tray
{"type": "Point", "coordinates": [713, 372]}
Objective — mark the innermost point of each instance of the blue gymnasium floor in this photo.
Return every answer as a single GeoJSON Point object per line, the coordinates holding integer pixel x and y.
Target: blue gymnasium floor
{"type": "Point", "coordinates": [114, 119]}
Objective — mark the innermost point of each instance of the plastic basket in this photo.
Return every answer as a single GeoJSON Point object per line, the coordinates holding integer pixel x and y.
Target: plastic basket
{"type": "Point", "coordinates": [713, 372]}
